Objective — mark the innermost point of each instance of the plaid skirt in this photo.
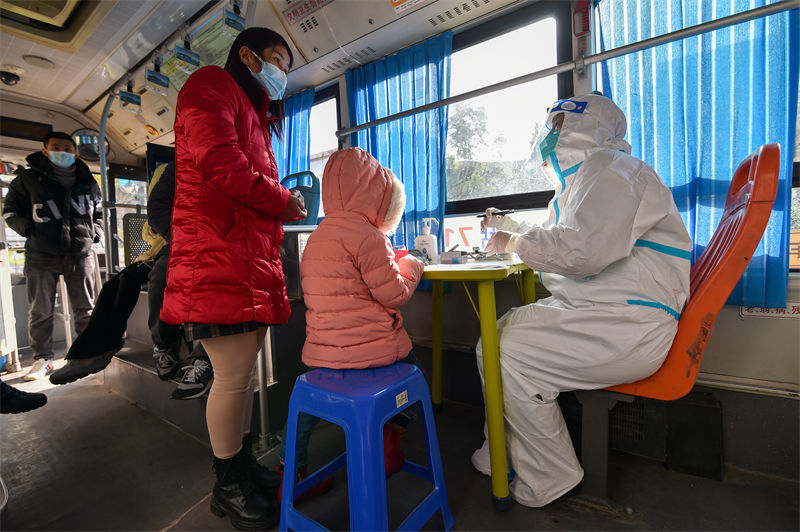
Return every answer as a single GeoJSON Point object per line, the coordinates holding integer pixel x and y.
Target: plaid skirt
{"type": "Point", "coordinates": [198, 331]}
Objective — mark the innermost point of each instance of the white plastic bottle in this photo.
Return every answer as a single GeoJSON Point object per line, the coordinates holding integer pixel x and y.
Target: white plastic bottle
{"type": "Point", "coordinates": [426, 242]}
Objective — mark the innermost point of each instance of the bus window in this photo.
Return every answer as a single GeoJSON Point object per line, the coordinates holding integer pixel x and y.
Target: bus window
{"type": "Point", "coordinates": [794, 209]}
{"type": "Point", "coordinates": [794, 235]}
{"type": "Point", "coordinates": [323, 123]}
{"type": "Point", "coordinates": [489, 137]}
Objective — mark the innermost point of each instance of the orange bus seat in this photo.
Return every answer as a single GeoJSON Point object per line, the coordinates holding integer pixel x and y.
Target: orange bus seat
{"type": "Point", "coordinates": [712, 279]}
{"type": "Point", "coordinates": [715, 274]}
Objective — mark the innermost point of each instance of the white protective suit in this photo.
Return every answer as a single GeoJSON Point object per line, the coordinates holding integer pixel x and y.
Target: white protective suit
{"type": "Point", "coordinates": [615, 257]}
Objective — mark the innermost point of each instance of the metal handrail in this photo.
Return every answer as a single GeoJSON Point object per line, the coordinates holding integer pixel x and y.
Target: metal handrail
{"type": "Point", "coordinates": [115, 205]}
{"type": "Point", "coordinates": [581, 62]}
{"type": "Point", "coordinates": [104, 182]}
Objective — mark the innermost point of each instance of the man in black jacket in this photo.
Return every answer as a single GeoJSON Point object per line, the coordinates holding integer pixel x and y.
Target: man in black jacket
{"type": "Point", "coordinates": [103, 337]}
{"type": "Point", "coordinates": [56, 205]}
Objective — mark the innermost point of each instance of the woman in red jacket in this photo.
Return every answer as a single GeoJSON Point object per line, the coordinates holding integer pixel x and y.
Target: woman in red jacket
{"type": "Point", "coordinates": [225, 280]}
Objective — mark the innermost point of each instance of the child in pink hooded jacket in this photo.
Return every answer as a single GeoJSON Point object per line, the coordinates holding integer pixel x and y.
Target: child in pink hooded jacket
{"type": "Point", "coordinates": [352, 285]}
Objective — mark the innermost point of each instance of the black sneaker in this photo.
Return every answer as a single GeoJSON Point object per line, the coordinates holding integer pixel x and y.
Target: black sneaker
{"type": "Point", "coordinates": [196, 381]}
{"type": "Point", "coordinates": [13, 401]}
{"type": "Point", "coordinates": [166, 362]}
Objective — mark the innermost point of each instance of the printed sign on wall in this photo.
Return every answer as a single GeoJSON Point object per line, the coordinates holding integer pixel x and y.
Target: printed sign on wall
{"type": "Point", "coordinates": [791, 312]}
{"type": "Point", "coordinates": [300, 10]}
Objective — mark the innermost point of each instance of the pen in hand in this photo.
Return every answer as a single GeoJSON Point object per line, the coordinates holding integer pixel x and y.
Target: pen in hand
{"type": "Point", "coordinates": [496, 213]}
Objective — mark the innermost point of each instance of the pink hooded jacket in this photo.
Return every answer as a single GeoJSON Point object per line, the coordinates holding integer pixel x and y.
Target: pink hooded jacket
{"type": "Point", "coordinates": [351, 283]}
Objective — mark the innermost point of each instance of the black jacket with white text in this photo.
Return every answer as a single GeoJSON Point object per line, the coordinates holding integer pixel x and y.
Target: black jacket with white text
{"type": "Point", "coordinates": [52, 219]}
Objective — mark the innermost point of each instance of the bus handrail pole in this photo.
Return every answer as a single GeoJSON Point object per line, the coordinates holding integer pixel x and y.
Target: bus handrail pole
{"type": "Point", "coordinates": [114, 204]}
{"type": "Point", "coordinates": [705, 27]}
{"type": "Point", "coordinates": [262, 363]}
{"type": "Point", "coordinates": [104, 183]}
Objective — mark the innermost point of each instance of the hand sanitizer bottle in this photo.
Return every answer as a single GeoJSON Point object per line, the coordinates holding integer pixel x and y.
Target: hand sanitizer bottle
{"type": "Point", "coordinates": [426, 242]}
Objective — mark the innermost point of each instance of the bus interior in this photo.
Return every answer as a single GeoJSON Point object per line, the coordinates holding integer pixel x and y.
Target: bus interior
{"type": "Point", "coordinates": [711, 79]}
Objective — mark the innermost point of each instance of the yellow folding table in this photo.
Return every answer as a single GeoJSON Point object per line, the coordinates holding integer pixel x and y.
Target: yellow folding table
{"type": "Point", "coordinates": [485, 274]}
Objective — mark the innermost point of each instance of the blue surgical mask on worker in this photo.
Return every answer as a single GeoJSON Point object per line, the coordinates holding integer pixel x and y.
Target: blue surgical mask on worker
{"type": "Point", "coordinates": [271, 78]}
{"type": "Point", "coordinates": [62, 159]}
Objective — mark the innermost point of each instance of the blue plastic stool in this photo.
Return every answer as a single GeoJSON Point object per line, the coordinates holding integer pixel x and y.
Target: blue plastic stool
{"type": "Point", "coordinates": [361, 401]}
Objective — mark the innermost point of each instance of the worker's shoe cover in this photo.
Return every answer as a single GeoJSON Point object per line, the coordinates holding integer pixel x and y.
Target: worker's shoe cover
{"type": "Point", "coordinates": [78, 368]}
{"type": "Point", "coordinates": [393, 458]}
{"type": "Point", "coordinates": [482, 462]}
{"type": "Point", "coordinates": [237, 496]}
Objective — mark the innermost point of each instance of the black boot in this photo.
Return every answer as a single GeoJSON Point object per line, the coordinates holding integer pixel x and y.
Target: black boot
{"type": "Point", "coordinates": [237, 496]}
{"type": "Point", "coordinates": [267, 481]}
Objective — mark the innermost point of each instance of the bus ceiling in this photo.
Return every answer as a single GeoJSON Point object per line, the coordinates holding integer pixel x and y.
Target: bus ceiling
{"type": "Point", "coordinates": [74, 52]}
{"type": "Point", "coordinates": [115, 43]}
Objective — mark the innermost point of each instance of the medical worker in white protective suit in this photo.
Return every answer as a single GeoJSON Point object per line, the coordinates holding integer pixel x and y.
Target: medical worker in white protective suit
{"type": "Point", "coordinates": [614, 254]}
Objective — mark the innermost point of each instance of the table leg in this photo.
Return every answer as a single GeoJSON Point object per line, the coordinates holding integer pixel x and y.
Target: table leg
{"type": "Point", "coordinates": [436, 344]}
{"type": "Point", "coordinates": [493, 387]}
{"type": "Point", "coordinates": [528, 287]}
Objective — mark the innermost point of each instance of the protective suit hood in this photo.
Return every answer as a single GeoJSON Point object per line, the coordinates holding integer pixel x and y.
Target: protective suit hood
{"type": "Point", "coordinates": [591, 123]}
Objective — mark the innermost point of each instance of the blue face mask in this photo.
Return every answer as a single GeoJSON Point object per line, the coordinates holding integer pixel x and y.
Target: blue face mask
{"type": "Point", "coordinates": [271, 78]}
{"type": "Point", "coordinates": [62, 159]}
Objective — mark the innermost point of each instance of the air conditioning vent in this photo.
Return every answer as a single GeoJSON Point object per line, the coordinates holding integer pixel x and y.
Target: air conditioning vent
{"type": "Point", "coordinates": [141, 91]}
{"type": "Point", "coordinates": [162, 111]}
{"type": "Point", "coordinates": [457, 11]}
{"type": "Point", "coordinates": [344, 61]}
{"type": "Point", "coordinates": [309, 24]}
{"type": "Point", "coordinates": [127, 132]}
{"type": "Point", "coordinates": [364, 53]}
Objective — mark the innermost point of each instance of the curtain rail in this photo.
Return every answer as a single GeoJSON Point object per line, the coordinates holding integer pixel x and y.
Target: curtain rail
{"type": "Point", "coordinates": [580, 63]}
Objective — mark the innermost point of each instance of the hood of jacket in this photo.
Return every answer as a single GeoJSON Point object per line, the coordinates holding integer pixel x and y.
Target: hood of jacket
{"type": "Point", "coordinates": [355, 183]}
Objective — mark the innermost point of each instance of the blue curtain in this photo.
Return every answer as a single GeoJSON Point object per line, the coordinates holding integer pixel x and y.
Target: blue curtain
{"type": "Point", "coordinates": [292, 152]}
{"type": "Point", "coordinates": [698, 106]}
{"type": "Point", "coordinates": [413, 147]}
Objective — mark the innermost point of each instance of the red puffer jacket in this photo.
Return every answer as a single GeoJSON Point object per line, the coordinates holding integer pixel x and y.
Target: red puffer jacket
{"type": "Point", "coordinates": [224, 264]}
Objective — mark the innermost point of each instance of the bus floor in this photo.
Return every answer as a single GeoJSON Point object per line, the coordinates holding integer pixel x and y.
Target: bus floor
{"type": "Point", "coordinates": [92, 460]}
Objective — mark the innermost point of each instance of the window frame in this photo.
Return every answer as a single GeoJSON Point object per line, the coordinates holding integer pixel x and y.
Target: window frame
{"type": "Point", "coordinates": [560, 11]}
